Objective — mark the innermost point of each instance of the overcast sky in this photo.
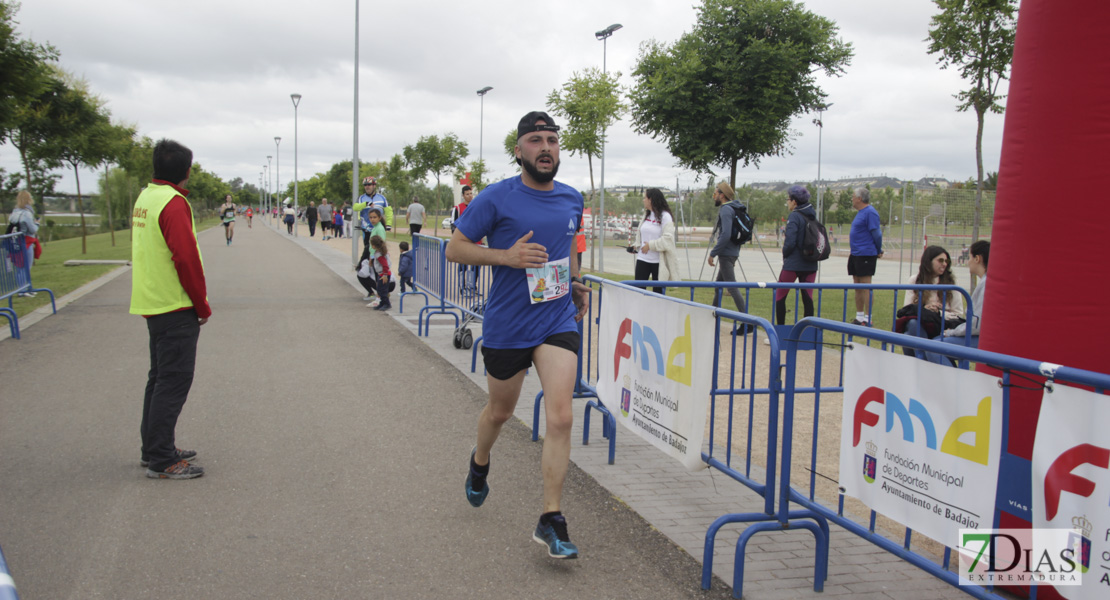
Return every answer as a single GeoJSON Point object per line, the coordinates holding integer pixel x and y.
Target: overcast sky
{"type": "Point", "coordinates": [217, 77]}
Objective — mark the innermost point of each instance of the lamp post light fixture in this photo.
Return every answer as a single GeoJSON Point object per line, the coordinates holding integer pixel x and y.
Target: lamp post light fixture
{"type": "Point", "coordinates": [481, 120]}
{"type": "Point", "coordinates": [603, 35]}
{"type": "Point", "coordinates": [296, 201]}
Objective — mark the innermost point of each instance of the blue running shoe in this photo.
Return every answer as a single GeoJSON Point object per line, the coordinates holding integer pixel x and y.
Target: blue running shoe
{"type": "Point", "coordinates": [473, 496]}
{"type": "Point", "coordinates": [554, 536]}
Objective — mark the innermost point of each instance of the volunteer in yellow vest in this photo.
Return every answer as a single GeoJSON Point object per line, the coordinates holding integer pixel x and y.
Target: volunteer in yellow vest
{"type": "Point", "coordinates": [168, 288]}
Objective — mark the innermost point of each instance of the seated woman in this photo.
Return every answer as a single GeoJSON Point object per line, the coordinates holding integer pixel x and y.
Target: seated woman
{"type": "Point", "coordinates": [939, 311]}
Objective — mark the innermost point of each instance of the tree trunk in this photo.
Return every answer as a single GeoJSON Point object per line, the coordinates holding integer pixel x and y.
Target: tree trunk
{"type": "Point", "coordinates": [80, 209]}
{"type": "Point", "coordinates": [732, 178]}
{"type": "Point", "coordinates": [108, 202]}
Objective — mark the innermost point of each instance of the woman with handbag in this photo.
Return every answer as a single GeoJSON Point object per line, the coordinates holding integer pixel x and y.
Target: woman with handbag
{"type": "Point", "coordinates": [939, 311]}
{"type": "Point", "coordinates": [656, 240]}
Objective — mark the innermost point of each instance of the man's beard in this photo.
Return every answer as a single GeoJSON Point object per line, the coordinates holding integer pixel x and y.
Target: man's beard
{"type": "Point", "coordinates": [536, 174]}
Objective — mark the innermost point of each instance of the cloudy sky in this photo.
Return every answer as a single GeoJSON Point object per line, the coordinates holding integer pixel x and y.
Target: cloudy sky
{"type": "Point", "coordinates": [217, 75]}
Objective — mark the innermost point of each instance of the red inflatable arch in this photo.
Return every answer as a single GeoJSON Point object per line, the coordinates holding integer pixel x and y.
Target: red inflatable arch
{"type": "Point", "coordinates": [1049, 279]}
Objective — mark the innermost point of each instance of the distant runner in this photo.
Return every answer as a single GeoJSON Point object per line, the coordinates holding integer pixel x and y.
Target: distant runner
{"type": "Point", "coordinates": [227, 214]}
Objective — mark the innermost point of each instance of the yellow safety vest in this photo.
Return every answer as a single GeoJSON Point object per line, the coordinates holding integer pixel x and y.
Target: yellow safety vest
{"type": "Point", "coordinates": [155, 286]}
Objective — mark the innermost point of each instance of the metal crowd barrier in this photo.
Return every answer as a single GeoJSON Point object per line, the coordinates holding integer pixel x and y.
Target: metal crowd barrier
{"type": "Point", "coordinates": [15, 277]}
{"type": "Point", "coordinates": [430, 275]}
{"type": "Point", "coordinates": [741, 390]}
{"type": "Point", "coordinates": [1014, 471]}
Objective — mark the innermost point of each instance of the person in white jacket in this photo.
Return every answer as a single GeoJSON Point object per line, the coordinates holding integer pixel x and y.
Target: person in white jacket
{"type": "Point", "coordinates": [656, 240]}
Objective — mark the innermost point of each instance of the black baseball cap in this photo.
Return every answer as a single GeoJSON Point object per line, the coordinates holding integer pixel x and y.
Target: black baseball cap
{"type": "Point", "coordinates": [528, 123]}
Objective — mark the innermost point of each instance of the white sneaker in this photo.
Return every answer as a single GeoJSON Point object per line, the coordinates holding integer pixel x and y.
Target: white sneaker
{"type": "Point", "coordinates": [375, 303]}
{"type": "Point", "coordinates": [766, 341]}
{"type": "Point", "coordinates": [367, 298]}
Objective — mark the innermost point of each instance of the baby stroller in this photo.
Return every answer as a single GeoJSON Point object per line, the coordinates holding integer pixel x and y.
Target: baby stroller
{"type": "Point", "coordinates": [475, 309]}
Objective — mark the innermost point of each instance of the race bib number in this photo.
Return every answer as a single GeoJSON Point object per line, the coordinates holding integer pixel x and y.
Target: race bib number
{"type": "Point", "coordinates": [549, 282]}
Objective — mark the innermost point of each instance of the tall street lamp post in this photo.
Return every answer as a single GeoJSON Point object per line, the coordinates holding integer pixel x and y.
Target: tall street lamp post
{"type": "Point", "coordinates": [269, 188]}
{"type": "Point", "coordinates": [277, 188]}
{"type": "Point", "coordinates": [481, 121]}
{"type": "Point", "coordinates": [296, 201]}
{"type": "Point", "coordinates": [603, 35]}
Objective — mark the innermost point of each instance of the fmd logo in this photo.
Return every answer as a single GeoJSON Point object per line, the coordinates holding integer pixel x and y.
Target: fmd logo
{"type": "Point", "coordinates": [906, 415]}
{"type": "Point", "coordinates": [646, 345]}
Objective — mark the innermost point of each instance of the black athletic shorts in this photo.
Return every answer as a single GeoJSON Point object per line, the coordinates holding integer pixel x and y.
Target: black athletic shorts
{"type": "Point", "coordinates": [862, 266]}
{"type": "Point", "coordinates": [504, 363]}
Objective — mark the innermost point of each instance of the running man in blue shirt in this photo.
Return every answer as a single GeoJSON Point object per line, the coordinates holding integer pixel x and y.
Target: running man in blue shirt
{"type": "Point", "coordinates": [535, 300]}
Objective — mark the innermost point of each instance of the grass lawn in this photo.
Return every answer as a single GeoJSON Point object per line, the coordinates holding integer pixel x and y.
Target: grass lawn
{"type": "Point", "coordinates": [49, 271]}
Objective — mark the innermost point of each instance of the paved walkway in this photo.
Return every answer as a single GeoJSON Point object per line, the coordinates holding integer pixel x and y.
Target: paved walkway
{"type": "Point", "coordinates": [335, 449]}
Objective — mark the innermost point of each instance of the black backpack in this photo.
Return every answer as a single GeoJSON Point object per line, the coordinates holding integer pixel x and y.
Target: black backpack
{"type": "Point", "coordinates": [13, 227]}
{"type": "Point", "coordinates": [815, 240]}
{"type": "Point", "coordinates": [742, 225]}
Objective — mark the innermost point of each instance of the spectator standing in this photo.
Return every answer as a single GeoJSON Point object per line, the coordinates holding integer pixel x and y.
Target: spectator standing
{"type": "Point", "coordinates": [725, 248]}
{"type": "Point", "coordinates": [168, 289]}
{"type": "Point", "coordinates": [338, 223]}
{"type": "Point", "coordinates": [312, 215]}
{"type": "Point", "coordinates": [348, 218]}
{"type": "Point", "coordinates": [23, 220]}
{"type": "Point", "coordinates": [865, 241]}
{"type": "Point", "coordinates": [289, 215]}
{"type": "Point", "coordinates": [383, 272]}
{"type": "Point", "coordinates": [458, 209]}
{"type": "Point", "coordinates": [405, 268]}
{"type": "Point", "coordinates": [656, 235]}
{"type": "Point", "coordinates": [414, 214]}
{"type": "Point", "coordinates": [371, 199]}
{"type": "Point", "coordinates": [325, 213]}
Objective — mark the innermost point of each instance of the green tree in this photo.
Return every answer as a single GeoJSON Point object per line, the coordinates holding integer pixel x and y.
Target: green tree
{"type": "Point", "coordinates": [977, 37]}
{"type": "Point", "coordinates": [591, 103]}
{"type": "Point", "coordinates": [206, 191]}
{"type": "Point", "coordinates": [725, 92]}
{"type": "Point", "coordinates": [398, 182]}
{"type": "Point", "coordinates": [510, 148]}
{"type": "Point", "coordinates": [435, 155]}
{"type": "Point", "coordinates": [22, 70]}
{"type": "Point", "coordinates": [477, 170]}
{"type": "Point", "coordinates": [86, 136]}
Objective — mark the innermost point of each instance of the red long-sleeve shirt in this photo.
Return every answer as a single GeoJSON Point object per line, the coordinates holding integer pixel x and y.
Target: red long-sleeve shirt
{"type": "Point", "coordinates": [176, 222]}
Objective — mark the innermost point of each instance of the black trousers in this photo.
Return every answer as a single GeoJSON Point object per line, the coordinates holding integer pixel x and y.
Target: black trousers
{"type": "Point", "coordinates": [648, 271]}
{"type": "Point", "coordinates": [173, 354]}
{"type": "Point", "coordinates": [369, 283]}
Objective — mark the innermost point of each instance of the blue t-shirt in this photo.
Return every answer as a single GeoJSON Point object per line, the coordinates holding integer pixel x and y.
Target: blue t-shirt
{"type": "Point", "coordinates": [502, 214]}
{"type": "Point", "coordinates": [860, 240]}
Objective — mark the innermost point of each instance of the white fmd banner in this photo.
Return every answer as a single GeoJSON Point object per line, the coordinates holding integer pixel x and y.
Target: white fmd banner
{"type": "Point", "coordinates": [656, 361]}
{"type": "Point", "coordinates": [1071, 481]}
{"type": "Point", "coordinates": [920, 442]}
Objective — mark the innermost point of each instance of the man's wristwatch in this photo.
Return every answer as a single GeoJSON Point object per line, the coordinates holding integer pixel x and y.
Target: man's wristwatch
{"type": "Point", "coordinates": [577, 279]}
